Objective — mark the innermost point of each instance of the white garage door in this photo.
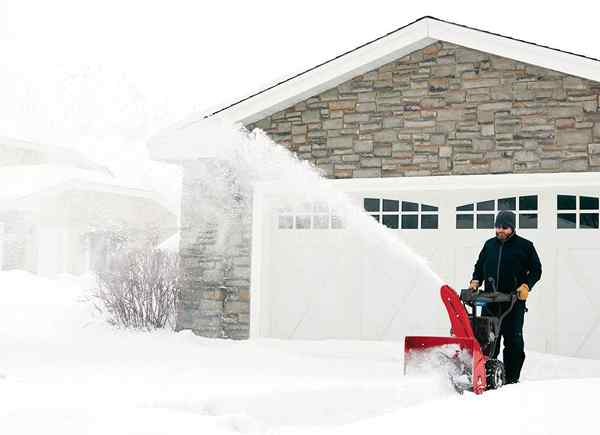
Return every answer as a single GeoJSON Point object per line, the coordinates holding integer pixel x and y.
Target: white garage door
{"type": "Point", "coordinates": [311, 279]}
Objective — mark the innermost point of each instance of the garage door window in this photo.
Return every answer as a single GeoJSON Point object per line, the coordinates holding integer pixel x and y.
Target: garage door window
{"type": "Point", "coordinates": [398, 214]}
{"type": "Point", "coordinates": [482, 214]}
{"type": "Point", "coordinates": [577, 211]}
{"type": "Point", "coordinates": [308, 216]}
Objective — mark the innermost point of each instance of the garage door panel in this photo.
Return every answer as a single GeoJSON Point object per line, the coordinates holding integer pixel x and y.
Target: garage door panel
{"type": "Point", "coordinates": [389, 285]}
{"type": "Point", "coordinates": [578, 302]}
{"type": "Point", "coordinates": [421, 311]}
{"type": "Point", "coordinates": [304, 290]}
{"type": "Point", "coordinates": [287, 298]}
{"type": "Point", "coordinates": [334, 307]}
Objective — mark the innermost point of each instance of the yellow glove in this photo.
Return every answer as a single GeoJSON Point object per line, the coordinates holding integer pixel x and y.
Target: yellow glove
{"type": "Point", "coordinates": [523, 292]}
{"type": "Point", "coordinates": [474, 284]}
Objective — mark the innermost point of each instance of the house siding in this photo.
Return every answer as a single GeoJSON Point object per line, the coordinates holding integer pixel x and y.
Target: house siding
{"type": "Point", "coordinates": [442, 110]}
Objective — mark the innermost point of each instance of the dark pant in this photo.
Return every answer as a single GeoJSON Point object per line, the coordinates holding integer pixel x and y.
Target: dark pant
{"type": "Point", "coordinates": [511, 331]}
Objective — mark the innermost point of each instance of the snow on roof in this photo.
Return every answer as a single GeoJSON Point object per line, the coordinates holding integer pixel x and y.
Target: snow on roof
{"type": "Point", "coordinates": [91, 193]}
{"type": "Point", "coordinates": [49, 154]}
{"type": "Point", "coordinates": [169, 144]}
{"type": "Point", "coordinates": [27, 181]}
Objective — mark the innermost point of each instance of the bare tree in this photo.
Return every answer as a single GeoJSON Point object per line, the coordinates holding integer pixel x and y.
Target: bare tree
{"type": "Point", "coordinates": [139, 289]}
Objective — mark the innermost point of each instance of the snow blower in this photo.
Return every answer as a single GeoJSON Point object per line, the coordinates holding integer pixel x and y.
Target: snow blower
{"type": "Point", "coordinates": [469, 352]}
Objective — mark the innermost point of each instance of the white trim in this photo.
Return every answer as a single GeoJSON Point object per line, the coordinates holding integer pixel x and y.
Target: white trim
{"type": "Point", "coordinates": [453, 182]}
{"type": "Point", "coordinates": [166, 145]}
{"type": "Point", "coordinates": [329, 75]}
{"type": "Point", "coordinates": [556, 60]}
{"type": "Point", "coordinates": [255, 262]}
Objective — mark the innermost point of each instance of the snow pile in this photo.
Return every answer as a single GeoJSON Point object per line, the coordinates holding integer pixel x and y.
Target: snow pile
{"type": "Point", "coordinates": [64, 371]}
{"type": "Point", "coordinates": [35, 309]}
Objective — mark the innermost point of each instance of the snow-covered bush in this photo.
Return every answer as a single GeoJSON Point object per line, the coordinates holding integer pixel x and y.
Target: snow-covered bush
{"type": "Point", "coordinates": [139, 289]}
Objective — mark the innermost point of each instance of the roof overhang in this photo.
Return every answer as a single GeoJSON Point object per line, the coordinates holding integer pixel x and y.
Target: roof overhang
{"type": "Point", "coordinates": [170, 144]}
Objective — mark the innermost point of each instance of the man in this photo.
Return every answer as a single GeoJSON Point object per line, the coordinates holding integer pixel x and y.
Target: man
{"type": "Point", "coordinates": [509, 263]}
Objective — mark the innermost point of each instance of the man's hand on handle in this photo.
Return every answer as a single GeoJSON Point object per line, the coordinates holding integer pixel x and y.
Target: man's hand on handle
{"type": "Point", "coordinates": [523, 292]}
{"type": "Point", "coordinates": [474, 284]}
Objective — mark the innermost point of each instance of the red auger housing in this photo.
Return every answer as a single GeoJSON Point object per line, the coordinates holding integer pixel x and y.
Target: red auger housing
{"type": "Point", "coordinates": [476, 334]}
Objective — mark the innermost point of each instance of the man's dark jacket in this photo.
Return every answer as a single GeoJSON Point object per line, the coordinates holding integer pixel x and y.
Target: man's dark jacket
{"type": "Point", "coordinates": [510, 263]}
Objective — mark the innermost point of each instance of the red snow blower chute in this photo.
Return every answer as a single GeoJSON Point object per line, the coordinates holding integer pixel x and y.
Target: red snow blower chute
{"type": "Point", "coordinates": [470, 349]}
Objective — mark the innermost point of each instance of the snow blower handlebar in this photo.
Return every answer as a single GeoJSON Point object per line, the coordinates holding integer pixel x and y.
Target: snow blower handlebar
{"type": "Point", "coordinates": [471, 297]}
{"type": "Point", "coordinates": [474, 297]}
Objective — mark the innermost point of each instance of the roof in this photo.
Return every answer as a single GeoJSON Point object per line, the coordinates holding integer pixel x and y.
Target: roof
{"type": "Point", "coordinates": [371, 55]}
{"type": "Point", "coordinates": [25, 187]}
{"type": "Point", "coordinates": [21, 181]}
{"type": "Point", "coordinates": [42, 153]}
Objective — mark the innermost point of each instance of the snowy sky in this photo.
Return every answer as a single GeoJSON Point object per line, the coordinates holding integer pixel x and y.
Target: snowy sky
{"type": "Point", "coordinates": [104, 76]}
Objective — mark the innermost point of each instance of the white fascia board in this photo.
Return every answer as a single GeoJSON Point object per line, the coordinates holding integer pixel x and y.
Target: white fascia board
{"type": "Point", "coordinates": [169, 145]}
{"type": "Point", "coordinates": [449, 182]}
{"type": "Point", "coordinates": [537, 55]}
{"type": "Point", "coordinates": [331, 74]}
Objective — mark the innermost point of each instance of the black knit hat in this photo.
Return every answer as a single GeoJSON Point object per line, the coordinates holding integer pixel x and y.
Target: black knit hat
{"type": "Point", "coordinates": [505, 218]}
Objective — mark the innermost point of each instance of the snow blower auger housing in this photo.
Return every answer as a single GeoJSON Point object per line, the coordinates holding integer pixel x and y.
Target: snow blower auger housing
{"type": "Point", "coordinates": [472, 334]}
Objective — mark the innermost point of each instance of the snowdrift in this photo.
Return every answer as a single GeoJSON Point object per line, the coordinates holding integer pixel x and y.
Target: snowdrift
{"type": "Point", "coordinates": [64, 371]}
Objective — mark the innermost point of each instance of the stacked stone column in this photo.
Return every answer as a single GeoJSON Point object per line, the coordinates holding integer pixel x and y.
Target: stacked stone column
{"type": "Point", "coordinates": [215, 252]}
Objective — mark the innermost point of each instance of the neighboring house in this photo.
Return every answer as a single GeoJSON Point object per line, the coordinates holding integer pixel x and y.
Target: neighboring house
{"type": "Point", "coordinates": [14, 152]}
{"type": "Point", "coordinates": [60, 212]}
{"type": "Point", "coordinates": [434, 128]}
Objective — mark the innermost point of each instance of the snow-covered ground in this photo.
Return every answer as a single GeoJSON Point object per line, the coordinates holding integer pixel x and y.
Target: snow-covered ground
{"type": "Point", "coordinates": [63, 371]}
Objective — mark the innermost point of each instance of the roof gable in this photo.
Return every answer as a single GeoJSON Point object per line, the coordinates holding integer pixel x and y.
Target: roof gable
{"type": "Point", "coordinates": [367, 57]}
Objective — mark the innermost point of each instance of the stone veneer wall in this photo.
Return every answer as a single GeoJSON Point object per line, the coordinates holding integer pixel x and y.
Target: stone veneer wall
{"type": "Point", "coordinates": [441, 110]}
{"type": "Point", "coordinates": [215, 253]}
{"type": "Point", "coordinates": [446, 109]}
